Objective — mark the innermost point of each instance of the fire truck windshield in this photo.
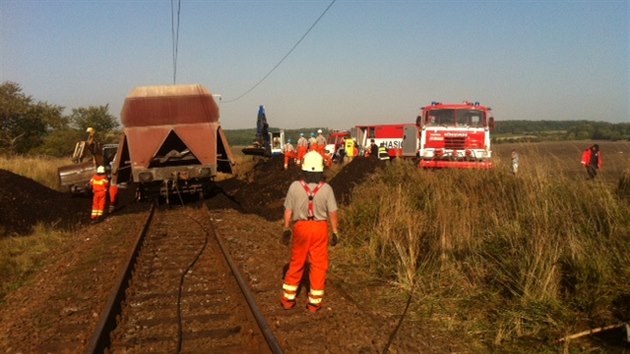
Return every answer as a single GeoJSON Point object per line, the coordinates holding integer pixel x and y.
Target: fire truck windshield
{"type": "Point", "coordinates": [455, 117]}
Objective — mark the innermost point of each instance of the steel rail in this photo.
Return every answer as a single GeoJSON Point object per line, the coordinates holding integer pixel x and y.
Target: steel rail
{"type": "Point", "coordinates": [101, 340]}
{"type": "Point", "coordinates": [272, 341]}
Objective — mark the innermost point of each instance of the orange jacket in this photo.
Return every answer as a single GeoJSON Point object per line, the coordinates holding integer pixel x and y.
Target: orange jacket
{"type": "Point", "coordinates": [99, 183]}
{"type": "Point", "coordinates": [586, 158]}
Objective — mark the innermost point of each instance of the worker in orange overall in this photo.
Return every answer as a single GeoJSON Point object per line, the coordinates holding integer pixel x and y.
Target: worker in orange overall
{"type": "Point", "coordinates": [312, 142]}
{"type": "Point", "coordinates": [99, 184]}
{"type": "Point", "coordinates": [321, 142]}
{"type": "Point", "coordinates": [309, 203]}
{"type": "Point", "coordinates": [302, 148]}
{"type": "Point", "coordinates": [289, 153]}
{"type": "Point", "coordinates": [113, 198]}
{"type": "Point", "coordinates": [592, 160]}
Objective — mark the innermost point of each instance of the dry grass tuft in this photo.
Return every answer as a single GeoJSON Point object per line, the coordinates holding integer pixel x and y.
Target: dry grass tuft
{"type": "Point", "coordinates": [515, 256]}
{"type": "Point", "coordinates": [41, 169]}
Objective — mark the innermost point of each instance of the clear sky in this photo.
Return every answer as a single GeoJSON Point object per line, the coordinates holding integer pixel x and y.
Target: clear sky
{"type": "Point", "coordinates": [366, 62]}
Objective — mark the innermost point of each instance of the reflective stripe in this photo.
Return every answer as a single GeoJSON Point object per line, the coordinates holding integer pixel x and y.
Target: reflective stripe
{"type": "Point", "coordinates": [314, 300]}
{"type": "Point", "coordinates": [317, 292]}
{"type": "Point", "coordinates": [289, 296]}
{"type": "Point", "coordinates": [289, 287]}
{"type": "Point", "coordinates": [99, 183]}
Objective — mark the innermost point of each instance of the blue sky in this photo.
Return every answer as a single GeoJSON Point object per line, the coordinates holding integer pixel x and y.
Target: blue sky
{"type": "Point", "coordinates": [366, 62]}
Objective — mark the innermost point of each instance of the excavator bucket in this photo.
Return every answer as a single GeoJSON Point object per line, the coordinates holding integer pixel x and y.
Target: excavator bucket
{"type": "Point", "coordinates": [74, 177]}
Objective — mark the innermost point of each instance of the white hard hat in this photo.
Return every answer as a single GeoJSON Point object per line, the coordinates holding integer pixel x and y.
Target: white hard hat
{"type": "Point", "coordinates": [100, 170]}
{"type": "Point", "coordinates": [313, 162]}
{"type": "Point", "coordinates": [319, 131]}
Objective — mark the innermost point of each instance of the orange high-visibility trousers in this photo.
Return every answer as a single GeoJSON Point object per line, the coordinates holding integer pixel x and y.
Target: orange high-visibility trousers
{"type": "Point", "coordinates": [98, 203]}
{"type": "Point", "coordinates": [288, 156]}
{"type": "Point", "coordinates": [113, 194]}
{"type": "Point", "coordinates": [301, 152]}
{"type": "Point", "coordinates": [310, 243]}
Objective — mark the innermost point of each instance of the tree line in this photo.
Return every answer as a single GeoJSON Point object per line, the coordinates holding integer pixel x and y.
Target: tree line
{"type": "Point", "coordinates": [561, 130]}
{"type": "Point", "coordinates": [30, 126]}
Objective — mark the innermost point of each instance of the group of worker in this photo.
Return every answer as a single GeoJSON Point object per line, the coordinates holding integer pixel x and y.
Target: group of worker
{"type": "Point", "coordinates": [347, 151]}
{"type": "Point", "coordinates": [315, 143]}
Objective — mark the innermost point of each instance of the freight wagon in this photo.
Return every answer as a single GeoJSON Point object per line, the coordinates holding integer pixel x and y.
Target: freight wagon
{"type": "Point", "coordinates": [172, 141]}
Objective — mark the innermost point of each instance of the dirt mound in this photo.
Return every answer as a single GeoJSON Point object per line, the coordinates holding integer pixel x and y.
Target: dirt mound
{"type": "Point", "coordinates": [266, 187]}
{"type": "Point", "coordinates": [352, 175]}
{"type": "Point", "coordinates": [262, 194]}
{"type": "Point", "coordinates": [24, 203]}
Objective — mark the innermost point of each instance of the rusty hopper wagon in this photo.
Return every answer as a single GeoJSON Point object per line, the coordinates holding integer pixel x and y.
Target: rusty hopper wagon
{"type": "Point", "coordinates": [172, 141]}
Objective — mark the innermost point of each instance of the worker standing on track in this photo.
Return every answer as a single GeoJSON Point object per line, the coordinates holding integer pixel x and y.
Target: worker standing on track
{"type": "Point", "coordinates": [309, 203]}
{"type": "Point", "coordinates": [289, 153]}
{"type": "Point", "coordinates": [302, 148]}
{"type": "Point", "coordinates": [99, 184]}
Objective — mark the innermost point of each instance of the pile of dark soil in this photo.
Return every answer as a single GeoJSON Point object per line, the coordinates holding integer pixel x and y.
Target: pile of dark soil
{"type": "Point", "coordinates": [263, 191]}
{"type": "Point", "coordinates": [24, 203]}
{"type": "Point", "coordinates": [266, 186]}
{"type": "Point", "coordinates": [352, 175]}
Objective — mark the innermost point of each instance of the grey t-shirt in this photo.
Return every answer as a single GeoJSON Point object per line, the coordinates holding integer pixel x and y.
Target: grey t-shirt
{"type": "Point", "coordinates": [297, 200]}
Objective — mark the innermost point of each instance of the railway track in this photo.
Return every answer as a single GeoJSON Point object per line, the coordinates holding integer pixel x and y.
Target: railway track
{"type": "Point", "coordinates": [181, 293]}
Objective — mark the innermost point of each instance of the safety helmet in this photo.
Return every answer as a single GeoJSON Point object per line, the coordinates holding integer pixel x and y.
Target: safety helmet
{"type": "Point", "coordinates": [319, 131]}
{"type": "Point", "coordinates": [89, 130]}
{"type": "Point", "coordinates": [313, 162]}
{"type": "Point", "coordinates": [312, 134]}
{"type": "Point", "coordinates": [289, 140]}
{"type": "Point", "coordinates": [301, 134]}
{"type": "Point", "coordinates": [100, 170]}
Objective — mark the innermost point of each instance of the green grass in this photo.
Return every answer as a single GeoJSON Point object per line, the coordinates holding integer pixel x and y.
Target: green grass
{"type": "Point", "coordinates": [21, 257]}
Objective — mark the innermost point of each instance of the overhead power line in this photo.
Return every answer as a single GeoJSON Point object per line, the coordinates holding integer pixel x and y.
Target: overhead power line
{"type": "Point", "coordinates": [175, 35]}
{"type": "Point", "coordinates": [285, 56]}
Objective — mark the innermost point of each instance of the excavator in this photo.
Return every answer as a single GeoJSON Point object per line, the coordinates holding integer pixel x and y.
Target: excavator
{"type": "Point", "coordinates": [267, 143]}
{"type": "Point", "coordinates": [88, 154]}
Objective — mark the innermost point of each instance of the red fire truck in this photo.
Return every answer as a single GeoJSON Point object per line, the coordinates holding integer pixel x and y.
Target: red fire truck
{"type": "Point", "coordinates": [444, 136]}
{"type": "Point", "coordinates": [455, 135]}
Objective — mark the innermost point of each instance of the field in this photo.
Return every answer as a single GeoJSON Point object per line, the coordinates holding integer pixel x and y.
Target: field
{"type": "Point", "coordinates": [475, 261]}
{"type": "Point", "coordinates": [503, 262]}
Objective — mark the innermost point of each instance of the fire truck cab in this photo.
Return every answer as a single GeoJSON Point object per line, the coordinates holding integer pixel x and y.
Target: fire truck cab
{"type": "Point", "coordinates": [455, 136]}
